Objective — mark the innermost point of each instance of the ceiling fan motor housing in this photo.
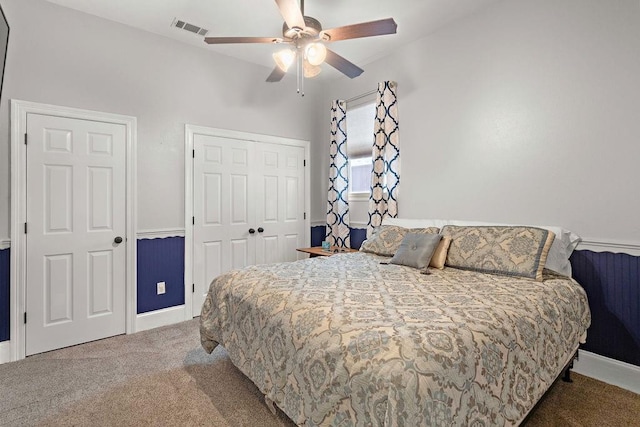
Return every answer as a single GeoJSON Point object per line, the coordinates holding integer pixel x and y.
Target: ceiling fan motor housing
{"type": "Point", "coordinates": [311, 30]}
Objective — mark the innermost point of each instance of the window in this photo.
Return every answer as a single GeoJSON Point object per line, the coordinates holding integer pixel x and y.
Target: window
{"type": "Point", "coordinates": [360, 175]}
{"type": "Point", "coordinates": [360, 120]}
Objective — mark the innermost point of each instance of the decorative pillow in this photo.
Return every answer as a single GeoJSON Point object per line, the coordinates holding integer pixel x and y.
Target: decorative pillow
{"type": "Point", "coordinates": [440, 255]}
{"type": "Point", "coordinates": [514, 251]}
{"type": "Point", "coordinates": [416, 250]}
{"type": "Point", "coordinates": [563, 245]}
{"type": "Point", "coordinates": [385, 240]}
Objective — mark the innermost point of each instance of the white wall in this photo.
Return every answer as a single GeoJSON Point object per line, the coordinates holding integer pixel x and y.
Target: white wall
{"type": "Point", "coordinates": [524, 112]}
{"type": "Point", "coordinates": [528, 111]}
{"type": "Point", "coordinates": [63, 57]}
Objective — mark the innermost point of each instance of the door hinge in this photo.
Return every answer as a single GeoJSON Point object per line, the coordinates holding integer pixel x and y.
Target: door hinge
{"type": "Point", "coordinates": [193, 153]}
{"type": "Point", "coordinates": [304, 162]}
{"type": "Point", "coordinates": [193, 220]}
{"type": "Point", "coordinates": [25, 317]}
{"type": "Point", "coordinates": [193, 287]}
{"type": "Point", "coordinates": [25, 139]}
{"type": "Point", "coordinates": [305, 216]}
{"type": "Point", "coordinates": [25, 228]}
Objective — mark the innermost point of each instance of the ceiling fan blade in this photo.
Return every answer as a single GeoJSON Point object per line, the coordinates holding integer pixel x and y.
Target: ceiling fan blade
{"type": "Point", "coordinates": [276, 75]}
{"type": "Point", "coordinates": [343, 65]}
{"type": "Point", "coordinates": [364, 29]}
{"type": "Point", "coordinates": [227, 40]}
{"type": "Point", "coordinates": [291, 13]}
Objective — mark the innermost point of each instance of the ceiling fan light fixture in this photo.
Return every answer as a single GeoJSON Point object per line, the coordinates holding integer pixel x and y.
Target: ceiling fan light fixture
{"type": "Point", "coordinates": [310, 70]}
{"type": "Point", "coordinates": [284, 58]}
{"type": "Point", "coordinates": [306, 39]}
{"type": "Point", "coordinates": [315, 53]}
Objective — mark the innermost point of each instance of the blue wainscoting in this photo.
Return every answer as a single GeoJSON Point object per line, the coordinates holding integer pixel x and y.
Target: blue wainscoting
{"type": "Point", "coordinates": [160, 260]}
{"type": "Point", "coordinates": [357, 236]}
{"type": "Point", "coordinates": [612, 284]}
{"type": "Point", "coordinates": [4, 294]}
{"type": "Point", "coordinates": [317, 235]}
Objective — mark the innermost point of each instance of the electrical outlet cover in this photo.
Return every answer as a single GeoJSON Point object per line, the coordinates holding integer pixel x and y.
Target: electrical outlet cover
{"type": "Point", "coordinates": [161, 288]}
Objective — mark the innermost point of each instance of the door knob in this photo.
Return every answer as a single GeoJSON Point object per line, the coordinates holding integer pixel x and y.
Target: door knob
{"type": "Point", "coordinates": [251, 231]}
{"type": "Point", "coordinates": [260, 229]}
{"type": "Point", "coordinates": [117, 240]}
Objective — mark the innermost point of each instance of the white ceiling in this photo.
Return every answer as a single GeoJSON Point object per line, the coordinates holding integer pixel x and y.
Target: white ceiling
{"type": "Point", "coordinates": [261, 18]}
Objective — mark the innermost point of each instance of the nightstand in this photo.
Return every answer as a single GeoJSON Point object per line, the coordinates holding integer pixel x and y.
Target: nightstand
{"type": "Point", "coordinates": [318, 251]}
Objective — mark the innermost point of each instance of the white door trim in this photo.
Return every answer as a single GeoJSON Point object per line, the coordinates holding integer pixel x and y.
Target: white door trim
{"type": "Point", "coordinates": [189, 132]}
{"type": "Point", "coordinates": [17, 284]}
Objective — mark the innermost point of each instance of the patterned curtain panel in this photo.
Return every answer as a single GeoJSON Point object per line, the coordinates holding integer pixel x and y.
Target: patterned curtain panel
{"type": "Point", "coordinates": [337, 200]}
{"type": "Point", "coordinates": [385, 175]}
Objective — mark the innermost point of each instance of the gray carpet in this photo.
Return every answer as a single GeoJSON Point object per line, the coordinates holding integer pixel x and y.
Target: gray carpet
{"type": "Point", "coordinates": [163, 377]}
{"type": "Point", "coordinates": [156, 377]}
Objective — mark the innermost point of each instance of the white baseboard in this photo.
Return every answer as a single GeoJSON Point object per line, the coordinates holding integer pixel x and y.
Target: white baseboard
{"type": "Point", "coordinates": [144, 321]}
{"type": "Point", "coordinates": [5, 352]}
{"type": "Point", "coordinates": [610, 371]}
{"type": "Point", "coordinates": [157, 318]}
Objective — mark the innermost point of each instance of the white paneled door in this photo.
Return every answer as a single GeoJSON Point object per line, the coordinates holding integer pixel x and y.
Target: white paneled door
{"type": "Point", "coordinates": [279, 202]}
{"type": "Point", "coordinates": [76, 219]}
{"type": "Point", "coordinates": [248, 205]}
{"type": "Point", "coordinates": [222, 215]}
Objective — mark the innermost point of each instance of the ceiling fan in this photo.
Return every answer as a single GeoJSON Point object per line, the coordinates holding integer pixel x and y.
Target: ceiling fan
{"type": "Point", "coordinates": [307, 40]}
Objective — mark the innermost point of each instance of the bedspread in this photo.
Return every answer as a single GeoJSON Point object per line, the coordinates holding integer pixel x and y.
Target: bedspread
{"type": "Point", "coordinates": [345, 340]}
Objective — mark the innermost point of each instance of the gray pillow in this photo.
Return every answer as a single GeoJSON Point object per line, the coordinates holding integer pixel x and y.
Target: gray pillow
{"type": "Point", "coordinates": [385, 240]}
{"type": "Point", "coordinates": [416, 250]}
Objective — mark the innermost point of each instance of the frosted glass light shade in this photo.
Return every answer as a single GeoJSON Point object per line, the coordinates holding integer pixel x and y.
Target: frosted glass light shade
{"type": "Point", "coordinates": [316, 53]}
{"type": "Point", "coordinates": [310, 70]}
{"type": "Point", "coordinates": [284, 58]}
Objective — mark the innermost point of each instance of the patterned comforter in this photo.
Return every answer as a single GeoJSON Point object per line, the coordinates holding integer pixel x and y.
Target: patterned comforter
{"type": "Point", "coordinates": [345, 340]}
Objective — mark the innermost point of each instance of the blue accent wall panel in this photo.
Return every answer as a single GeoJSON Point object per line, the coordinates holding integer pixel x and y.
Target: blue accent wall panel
{"type": "Point", "coordinates": [318, 233]}
{"type": "Point", "coordinates": [612, 284]}
{"type": "Point", "coordinates": [4, 294]}
{"type": "Point", "coordinates": [358, 235]}
{"type": "Point", "coordinates": [160, 260]}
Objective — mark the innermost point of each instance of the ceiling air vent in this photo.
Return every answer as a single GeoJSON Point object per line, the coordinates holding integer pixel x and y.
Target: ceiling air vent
{"type": "Point", "coordinates": [189, 27]}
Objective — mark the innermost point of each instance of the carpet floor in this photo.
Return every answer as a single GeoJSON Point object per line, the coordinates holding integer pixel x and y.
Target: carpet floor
{"type": "Point", "coordinates": [162, 377]}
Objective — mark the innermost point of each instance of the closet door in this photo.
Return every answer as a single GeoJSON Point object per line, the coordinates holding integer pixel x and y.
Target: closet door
{"type": "Point", "coordinates": [279, 177]}
{"type": "Point", "coordinates": [223, 198]}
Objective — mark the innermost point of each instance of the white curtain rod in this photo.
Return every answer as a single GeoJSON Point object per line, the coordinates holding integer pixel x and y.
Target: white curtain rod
{"type": "Point", "coordinates": [355, 98]}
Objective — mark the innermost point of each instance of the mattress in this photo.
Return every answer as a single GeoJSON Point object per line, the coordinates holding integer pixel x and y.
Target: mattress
{"type": "Point", "coordinates": [347, 340]}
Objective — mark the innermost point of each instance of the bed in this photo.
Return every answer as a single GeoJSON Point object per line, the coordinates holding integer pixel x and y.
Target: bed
{"type": "Point", "coordinates": [352, 340]}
